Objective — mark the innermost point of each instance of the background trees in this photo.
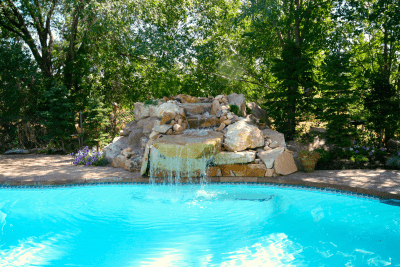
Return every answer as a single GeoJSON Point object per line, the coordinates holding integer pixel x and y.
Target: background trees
{"type": "Point", "coordinates": [300, 59]}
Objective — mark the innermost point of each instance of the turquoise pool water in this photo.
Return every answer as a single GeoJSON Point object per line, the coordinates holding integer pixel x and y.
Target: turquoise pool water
{"type": "Point", "coordinates": [194, 225]}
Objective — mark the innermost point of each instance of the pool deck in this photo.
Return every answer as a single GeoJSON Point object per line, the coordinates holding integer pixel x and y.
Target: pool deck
{"type": "Point", "coordinates": [38, 170]}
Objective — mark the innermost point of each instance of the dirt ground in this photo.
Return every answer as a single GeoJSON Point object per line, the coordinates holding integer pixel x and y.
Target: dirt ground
{"type": "Point", "coordinates": [18, 170]}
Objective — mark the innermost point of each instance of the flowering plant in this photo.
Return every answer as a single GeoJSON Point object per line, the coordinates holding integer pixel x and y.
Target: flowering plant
{"type": "Point", "coordinates": [360, 153]}
{"type": "Point", "coordinates": [88, 157]}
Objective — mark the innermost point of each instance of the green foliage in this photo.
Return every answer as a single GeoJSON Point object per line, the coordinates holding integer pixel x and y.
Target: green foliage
{"type": "Point", "coordinates": [383, 106]}
{"type": "Point", "coordinates": [235, 109]}
{"type": "Point", "coordinates": [337, 98]}
{"type": "Point", "coordinates": [58, 116]}
{"type": "Point", "coordinates": [325, 155]}
{"type": "Point", "coordinates": [151, 102]}
{"type": "Point", "coordinates": [97, 122]}
{"type": "Point", "coordinates": [296, 83]}
{"type": "Point", "coordinates": [249, 111]}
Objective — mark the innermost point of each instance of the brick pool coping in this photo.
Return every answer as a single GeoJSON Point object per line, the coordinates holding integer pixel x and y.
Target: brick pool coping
{"type": "Point", "coordinates": [38, 170]}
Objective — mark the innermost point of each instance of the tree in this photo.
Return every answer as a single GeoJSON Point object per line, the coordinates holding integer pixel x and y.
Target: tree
{"type": "Point", "coordinates": [300, 28]}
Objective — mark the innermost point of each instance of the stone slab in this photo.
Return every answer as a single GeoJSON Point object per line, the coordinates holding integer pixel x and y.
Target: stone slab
{"type": "Point", "coordinates": [268, 157]}
{"type": "Point", "coordinates": [284, 164]}
{"type": "Point", "coordinates": [189, 145]}
{"type": "Point", "coordinates": [224, 158]}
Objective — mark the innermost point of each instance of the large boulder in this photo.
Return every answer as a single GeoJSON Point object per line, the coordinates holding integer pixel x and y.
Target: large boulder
{"type": "Point", "coordinates": [170, 106]}
{"type": "Point", "coordinates": [148, 124]}
{"type": "Point", "coordinates": [223, 158]}
{"type": "Point", "coordinates": [241, 135]}
{"type": "Point", "coordinates": [269, 156]}
{"type": "Point", "coordinates": [189, 145]}
{"type": "Point", "coordinates": [238, 100]}
{"type": "Point", "coordinates": [183, 155]}
{"type": "Point", "coordinates": [141, 111]}
{"type": "Point", "coordinates": [119, 161]}
{"type": "Point", "coordinates": [274, 137]}
{"type": "Point", "coordinates": [114, 149]}
{"type": "Point", "coordinates": [284, 163]}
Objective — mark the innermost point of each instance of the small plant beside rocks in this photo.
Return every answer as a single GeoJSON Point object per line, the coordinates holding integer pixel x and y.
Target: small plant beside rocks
{"type": "Point", "coordinates": [89, 157]}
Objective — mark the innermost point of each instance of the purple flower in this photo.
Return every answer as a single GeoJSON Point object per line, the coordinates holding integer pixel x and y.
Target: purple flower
{"type": "Point", "coordinates": [383, 149]}
{"type": "Point", "coordinates": [370, 153]}
{"type": "Point", "coordinates": [367, 148]}
{"type": "Point", "coordinates": [87, 163]}
{"type": "Point", "coordinates": [356, 151]}
{"type": "Point", "coordinates": [354, 142]}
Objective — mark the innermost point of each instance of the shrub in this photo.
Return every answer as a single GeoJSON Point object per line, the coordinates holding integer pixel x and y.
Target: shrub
{"type": "Point", "coordinates": [235, 109]}
{"type": "Point", "coordinates": [151, 102]}
{"type": "Point", "coordinates": [89, 157]}
{"type": "Point", "coordinates": [325, 155]}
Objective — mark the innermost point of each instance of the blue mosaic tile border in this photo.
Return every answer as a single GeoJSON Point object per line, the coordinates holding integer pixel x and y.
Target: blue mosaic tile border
{"type": "Point", "coordinates": [287, 186]}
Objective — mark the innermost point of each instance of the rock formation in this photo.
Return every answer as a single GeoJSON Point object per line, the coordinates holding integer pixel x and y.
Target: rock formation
{"type": "Point", "coordinates": [185, 136]}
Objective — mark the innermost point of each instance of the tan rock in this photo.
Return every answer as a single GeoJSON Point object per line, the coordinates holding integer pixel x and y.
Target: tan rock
{"type": "Point", "coordinates": [163, 128]}
{"type": "Point", "coordinates": [222, 119]}
{"type": "Point", "coordinates": [141, 111]}
{"type": "Point", "coordinates": [213, 171]}
{"type": "Point", "coordinates": [178, 117]}
{"type": "Point", "coordinates": [180, 121]}
{"type": "Point", "coordinates": [233, 170]}
{"type": "Point", "coordinates": [241, 135]}
{"type": "Point", "coordinates": [268, 157]}
{"type": "Point", "coordinates": [202, 122]}
{"type": "Point", "coordinates": [148, 124]}
{"type": "Point", "coordinates": [126, 151]}
{"type": "Point", "coordinates": [224, 100]}
{"type": "Point", "coordinates": [119, 162]}
{"type": "Point", "coordinates": [196, 108]}
{"type": "Point", "coordinates": [158, 111]}
{"type": "Point", "coordinates": [227, 122]}
{"type": "Point", "coordinates": [167, 117]}
{"type": "Point", "coordinates": [169, 132]}
{"type": "Point", "coordinates": [189, 145]}
{"type": "Point", "coordinates": [187, 98]}
{"type": "Point", "coordinates": [227, 158]}
{"type": "Point", "coordinates": [221, 127]}
{"type": "Point", "coordinates": [214, 107]}
{"type": "Point", "coordinates": [177, 128]}
{"type": "Point", "coordinates": [269, 172]}
{"type": "Point", "coordinates": [284, 164]}
{"type": "Point", "coordinates": [154, 135]}
{"type": "Point", "coordinates": [256, 170]}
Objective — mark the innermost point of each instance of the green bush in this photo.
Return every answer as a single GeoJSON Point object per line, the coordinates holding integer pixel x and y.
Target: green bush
{"type": "Point", "coordinates": [325, 155]}
{"type": "Point", "coordinates": [151, 102]}
{"type": "Point", "coordinates": [235, 109]}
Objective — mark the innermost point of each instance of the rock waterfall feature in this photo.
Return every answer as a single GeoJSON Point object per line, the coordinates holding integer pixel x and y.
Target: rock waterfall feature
{"type": "Point", "coordinates": [185, 137]}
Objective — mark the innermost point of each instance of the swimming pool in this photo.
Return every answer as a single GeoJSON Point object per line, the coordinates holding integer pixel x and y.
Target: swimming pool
{"type": "Point", "coordinates": [195, 225]}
